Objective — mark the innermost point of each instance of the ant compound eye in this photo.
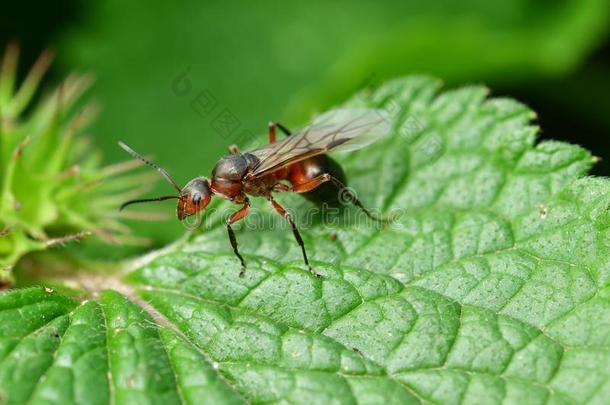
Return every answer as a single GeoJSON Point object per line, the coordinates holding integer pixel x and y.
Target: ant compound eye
{"type": "Point", "coordinates": [196, 198]}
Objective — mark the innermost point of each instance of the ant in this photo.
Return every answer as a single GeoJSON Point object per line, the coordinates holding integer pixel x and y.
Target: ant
{"type": "Point", "coordinates": [296, 164]}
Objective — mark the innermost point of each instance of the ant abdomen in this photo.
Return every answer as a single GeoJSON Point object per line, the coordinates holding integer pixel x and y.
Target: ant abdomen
{"type": "Point", "coordinates": [326, 193]}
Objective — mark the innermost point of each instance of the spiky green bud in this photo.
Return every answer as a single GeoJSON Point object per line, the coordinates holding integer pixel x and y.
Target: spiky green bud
{"type": "Point", "coordinates": [52, 187]}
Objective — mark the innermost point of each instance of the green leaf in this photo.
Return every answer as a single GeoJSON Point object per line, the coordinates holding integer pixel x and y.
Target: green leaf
{"type": "Point", "coordinates": [491, 285]}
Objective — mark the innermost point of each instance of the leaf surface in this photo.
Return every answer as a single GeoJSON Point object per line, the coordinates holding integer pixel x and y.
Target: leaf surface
{"type": "Point", "coordinates": [490, 286]}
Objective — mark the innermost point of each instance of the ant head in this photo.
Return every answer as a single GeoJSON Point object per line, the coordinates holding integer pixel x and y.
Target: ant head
{"type": "Point", "coordinates": [194, 197]}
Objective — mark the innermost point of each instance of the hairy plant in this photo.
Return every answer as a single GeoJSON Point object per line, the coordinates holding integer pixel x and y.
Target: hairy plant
{"type": "Point", "coordinates": [52, 186]}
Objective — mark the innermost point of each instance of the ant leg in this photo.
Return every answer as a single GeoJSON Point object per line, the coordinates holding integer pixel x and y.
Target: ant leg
{"type": "Point", "coordinates": [309, 185]}
{"type": "Point", "coordinates": [280, 210]}
{"type": "Point", "coordinates": [236, 216]}
{"type": "Point", "coordinates": [272, 128]}
{"type": "Point", "coordinates": [341, 188]}
{"type": "Point", "coordinates": [234, 150]}
{"type": "Point", "coordinates": [279, 187]}
{"type": "Point", "coordinates": [346, 192]}
{"type": "Point", "coordinates": [285, 130]}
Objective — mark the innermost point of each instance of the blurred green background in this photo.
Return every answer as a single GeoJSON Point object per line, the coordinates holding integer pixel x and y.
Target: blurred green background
{"type": "Point", "coordinates": [182, 80]}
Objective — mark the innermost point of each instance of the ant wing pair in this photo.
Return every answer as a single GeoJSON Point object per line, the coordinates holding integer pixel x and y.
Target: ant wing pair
{"type": "Point", "coordinates": [336, 130]}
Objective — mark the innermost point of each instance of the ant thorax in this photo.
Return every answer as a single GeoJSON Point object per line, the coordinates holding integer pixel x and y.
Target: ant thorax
{"type": "Point", "coordinates": [229, 172]}
{"type": "Point", "coordinates": [231, 168]}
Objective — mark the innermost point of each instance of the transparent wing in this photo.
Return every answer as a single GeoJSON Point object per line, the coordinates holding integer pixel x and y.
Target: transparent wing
{"type": "Point", "coordinates": [341, 129]}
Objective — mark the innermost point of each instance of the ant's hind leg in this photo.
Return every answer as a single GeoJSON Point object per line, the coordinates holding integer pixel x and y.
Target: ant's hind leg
{"type": "Point", "coordinates": [236, 216]}
{"type": "Point", "coordinates": [348, 195]}
{"type": "Point", "coordinates": [280, 210]}
{"type": "Point", "coordinates": [272, 129]}
{"type": "Point", "coordinates": [311, 184]}
{"type": "Point", "coordinates": [345, 193]}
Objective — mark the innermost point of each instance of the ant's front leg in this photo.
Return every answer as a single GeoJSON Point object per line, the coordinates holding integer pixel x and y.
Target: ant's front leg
{"type": "Point", "coordinates": [272, 129]}
{"type": "Point", "coordinates": [236, 216]}
{"type": "Point", "coordinates": [280, 210]}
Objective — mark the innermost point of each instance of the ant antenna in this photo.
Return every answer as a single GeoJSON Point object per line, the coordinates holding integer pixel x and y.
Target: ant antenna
{"type": "Point", "coordinates": [151, 164]}
{"type": "Point", "coordinates": [167, 197]}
